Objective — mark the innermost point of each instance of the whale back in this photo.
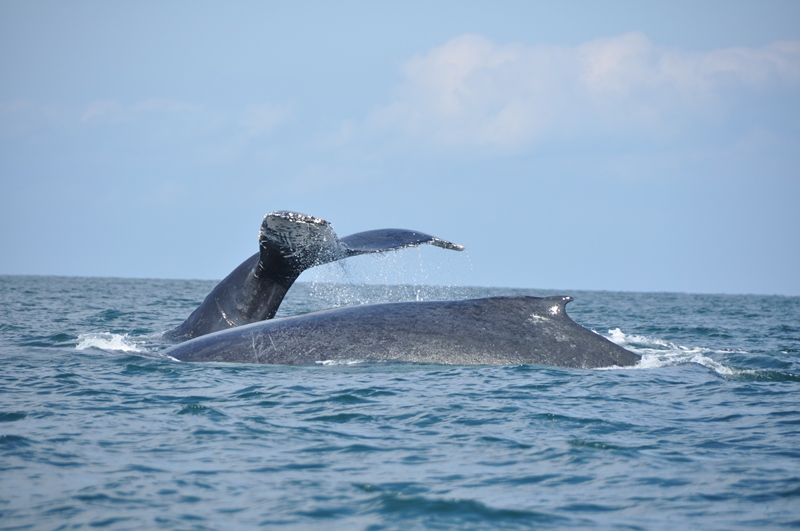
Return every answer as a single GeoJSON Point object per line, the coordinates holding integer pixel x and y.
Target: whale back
{"type": "Point", "coordinates": [491, 331]}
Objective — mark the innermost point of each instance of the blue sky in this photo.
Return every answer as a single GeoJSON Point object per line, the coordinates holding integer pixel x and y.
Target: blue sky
{"type": "Point", "coordinates": [634, 146]}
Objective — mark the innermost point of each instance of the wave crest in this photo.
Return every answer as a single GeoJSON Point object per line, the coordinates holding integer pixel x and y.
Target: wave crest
{"type": "Point", "coordinates": [109, 342]}
{"type": "Point", "coordinates": [658, 353]}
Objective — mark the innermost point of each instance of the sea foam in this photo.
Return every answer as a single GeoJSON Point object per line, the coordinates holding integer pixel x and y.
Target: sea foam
{"type": "Point", "coordinates": [658, 353]}
{"type": "Point", "coordinates": [109, 342]}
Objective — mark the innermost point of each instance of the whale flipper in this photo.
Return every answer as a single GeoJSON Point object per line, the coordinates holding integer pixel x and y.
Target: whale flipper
{"type": "Point", "coordinates": [289, 243]}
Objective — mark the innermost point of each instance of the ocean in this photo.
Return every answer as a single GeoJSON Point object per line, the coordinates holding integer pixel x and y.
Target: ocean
{"type": "Point", "coordinates": [99, 431]}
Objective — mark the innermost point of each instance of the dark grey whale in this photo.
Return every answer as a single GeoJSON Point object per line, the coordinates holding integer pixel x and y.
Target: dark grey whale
{"type": "Point", "coordinates": [289, 243]}
{"type": "Point", "coordinates": [491, 331]}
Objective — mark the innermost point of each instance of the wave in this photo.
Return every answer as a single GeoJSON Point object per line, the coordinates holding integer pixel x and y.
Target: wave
{"type": "Point", "coordinates": [657, 353]}
{"type": "Point", "coordinates": [110, 342]}
{"type": "Point", "coordinates": [340, 362]}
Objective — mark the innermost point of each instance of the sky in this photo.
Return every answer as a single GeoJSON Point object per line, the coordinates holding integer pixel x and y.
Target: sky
{"type": "Point", "coordinates": [631, 146]}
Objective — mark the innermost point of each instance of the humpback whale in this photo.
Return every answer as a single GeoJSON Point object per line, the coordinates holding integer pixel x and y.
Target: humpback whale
{"type": "Point", "coordinates": [289, 243]}
{"type": "Point", "coordinates": [235, 321]}
{"type": "Point", "coordinates": [490, 331]}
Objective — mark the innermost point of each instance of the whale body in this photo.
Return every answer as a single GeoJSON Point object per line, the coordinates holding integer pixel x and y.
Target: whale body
{"type": "Point", "coordinates": [489, 331]}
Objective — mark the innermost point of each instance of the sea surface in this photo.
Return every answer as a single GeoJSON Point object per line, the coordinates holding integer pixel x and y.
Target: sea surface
{"type": "Point", "coordinates": [99, 431]}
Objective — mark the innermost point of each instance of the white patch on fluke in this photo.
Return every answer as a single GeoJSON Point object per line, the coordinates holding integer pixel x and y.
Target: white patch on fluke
{"type": "Point", "coordinates": [298, 235]}
{"type": "Point", "coordinates": [554, 310]}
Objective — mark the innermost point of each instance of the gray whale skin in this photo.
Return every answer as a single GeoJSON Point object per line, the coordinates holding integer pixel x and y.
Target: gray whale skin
{"type": "Point", "coordinates": [490, 331]}
{"type": "Point", "coordinates": [235, 322]}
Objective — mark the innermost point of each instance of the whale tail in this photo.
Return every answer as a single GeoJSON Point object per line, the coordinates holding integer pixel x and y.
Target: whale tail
{"type": "Point", "coordinates": [382, 240]}
{"type": "Point", "coordinates": [289, 243]}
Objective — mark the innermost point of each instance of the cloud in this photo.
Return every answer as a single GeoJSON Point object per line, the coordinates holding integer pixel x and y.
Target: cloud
{"type": "Point", "coordinates": [103, 109]}
{"type": "Point", "coordinates": [473, 93]}
{"type": "Point", "coordinates": [111, 111]}
{"type": "Point", "coordinates": [259, 119]}
{"type": "Point", "coordinates": [163, 117]}
{"type": "Point", "coordinates": [23, 117]}
{"type": "Point", "coordinates": [214, 134]}
{"type": "Point", "coordinates": [224, 134]}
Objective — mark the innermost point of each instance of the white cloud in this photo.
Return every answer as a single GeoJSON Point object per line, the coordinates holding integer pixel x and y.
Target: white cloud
{"type": "Point", "coordinates": [222, 134]}
{"type": "Point", "coordinates": [474, 93]}
{"type": "Point", "coordinates": [211, 135]}
{"type": "Point", "coordinates": [259, 119]}
{"type": "Point", "coordinates": [112, 111]}
{"type": "Point", "coordinates": [103, 109]}
{"type": "Point", "coordinates": [178, 118]}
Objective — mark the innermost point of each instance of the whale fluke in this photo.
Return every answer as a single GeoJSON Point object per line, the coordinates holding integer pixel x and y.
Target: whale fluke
{"type": "Point", "coordinates": [380, 240]}
{"type": "Point", "coordinates": [289, 243]}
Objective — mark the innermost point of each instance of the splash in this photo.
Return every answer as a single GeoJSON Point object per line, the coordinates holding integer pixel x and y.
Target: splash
{"type": "Point", "coordinates": [658, 353]}
{"type": "Point", "coordinates": [109, 342]}
{"type": "Point", "coordinates": [415, 274]}
{"type": "Point", "coordinates": [328, 363]}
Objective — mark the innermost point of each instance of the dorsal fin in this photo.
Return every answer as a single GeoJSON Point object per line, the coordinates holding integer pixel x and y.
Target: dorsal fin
{"type": "Point", "coordinates": [560, 302]}
{"type": "Point", "coordinates": [550, 307]}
